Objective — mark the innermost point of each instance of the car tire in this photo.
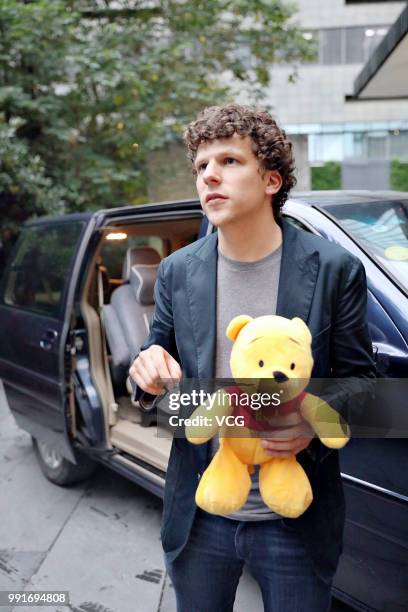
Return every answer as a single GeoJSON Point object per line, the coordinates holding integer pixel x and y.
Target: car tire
{"type": "Point", "coordinates": [59, 470]}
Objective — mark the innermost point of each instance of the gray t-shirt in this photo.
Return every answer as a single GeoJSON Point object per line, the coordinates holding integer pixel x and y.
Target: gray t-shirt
{"type": "Point", "coordinates": [244, 288]}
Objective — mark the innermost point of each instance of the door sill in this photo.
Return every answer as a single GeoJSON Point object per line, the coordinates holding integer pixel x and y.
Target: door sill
{"type": "Point", "coordinates": [150, 444]}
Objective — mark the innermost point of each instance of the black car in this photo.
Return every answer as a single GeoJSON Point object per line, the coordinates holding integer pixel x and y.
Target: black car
{"type": "Point", "coordinates": [76, 298]}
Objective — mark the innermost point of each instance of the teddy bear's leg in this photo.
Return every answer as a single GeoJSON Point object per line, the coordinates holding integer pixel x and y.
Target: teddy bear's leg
{"type": "Point", "coordinates": [225, 484]}
{"type": "Point", "coordinates": [284, 486]}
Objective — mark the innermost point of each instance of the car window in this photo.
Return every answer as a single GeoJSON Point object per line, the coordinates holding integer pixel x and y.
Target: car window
{"type": "Point", "coordinates": [382, 230]}
{"type": "Point", "coordinates": [39, 270]}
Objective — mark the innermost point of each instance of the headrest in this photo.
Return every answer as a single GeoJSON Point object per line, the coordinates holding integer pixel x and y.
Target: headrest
{"type": "Point", "coordinates": [142, 279]}
{"type": "Point", "coordinates": [138, 256]}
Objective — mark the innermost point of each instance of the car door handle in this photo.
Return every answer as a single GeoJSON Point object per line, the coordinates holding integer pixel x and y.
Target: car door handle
{"type": "Point", "coordinates": [375, 352]}
{"type": "Point", "coordinates": [48, 338]}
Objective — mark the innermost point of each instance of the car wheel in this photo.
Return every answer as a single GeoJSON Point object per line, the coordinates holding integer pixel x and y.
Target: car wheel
{"type": "Point", "coordinates": [58, 469]}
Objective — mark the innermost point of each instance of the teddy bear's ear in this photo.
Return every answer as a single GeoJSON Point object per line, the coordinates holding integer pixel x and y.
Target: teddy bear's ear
{"type": "Point", "coordinates": [301, 330]}
{"type": "Point", "coordinates": [236, 325]}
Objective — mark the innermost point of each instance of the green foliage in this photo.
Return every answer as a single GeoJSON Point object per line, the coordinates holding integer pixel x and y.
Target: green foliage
{"type": "Point", "coordinates": [24, 187]}
{"type": "Point", "coordinates": [327, 176]}
{"type": "Point", "coordinates": [88, 88]}
{"type": "Point", "coordinates": [399, 175]}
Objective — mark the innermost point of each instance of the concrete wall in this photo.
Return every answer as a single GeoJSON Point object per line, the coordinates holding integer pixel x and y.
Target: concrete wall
{"type": "Point", "coordinates": [370, 174]}
{"type": "Point", "coordinates": [300, 149]}
{"type": "Point", "coordinates": [318, 95]}
{"type": "Point", "coordinates": [336, 13]}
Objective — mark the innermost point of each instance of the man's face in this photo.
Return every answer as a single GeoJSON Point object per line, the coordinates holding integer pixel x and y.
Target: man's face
{"type": "Point", "coordinates": [228, 168]}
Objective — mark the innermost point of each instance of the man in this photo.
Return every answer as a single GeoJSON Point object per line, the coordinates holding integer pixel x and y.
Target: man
{"type": "Point", "coordinates": [256, 264]}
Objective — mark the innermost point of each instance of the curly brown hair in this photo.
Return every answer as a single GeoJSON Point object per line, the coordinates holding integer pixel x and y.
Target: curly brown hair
{"type": "Point", "coordinates": [269, 141]}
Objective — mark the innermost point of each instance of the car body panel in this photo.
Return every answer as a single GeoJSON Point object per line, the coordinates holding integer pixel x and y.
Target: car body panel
{"type": "Point", "coordinates": [372, 569]}
{"type": "Point", "coordinates": [35, 360]}
{"type": "Point", "coordinates": [162, 210]}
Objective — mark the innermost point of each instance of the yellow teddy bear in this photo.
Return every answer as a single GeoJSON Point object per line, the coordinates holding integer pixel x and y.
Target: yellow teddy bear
{"type": "Point", "coordinates": [273, 354]}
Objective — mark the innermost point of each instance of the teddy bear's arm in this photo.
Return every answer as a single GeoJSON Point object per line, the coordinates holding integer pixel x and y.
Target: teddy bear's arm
{"type": "Point", "coordinates": [206, 420]}
{"type": "Point", "coordinates": [332, 430]}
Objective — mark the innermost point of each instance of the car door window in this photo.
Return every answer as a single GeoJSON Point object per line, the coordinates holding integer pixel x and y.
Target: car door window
{"type": "Point", "coordinates": [39, 271]}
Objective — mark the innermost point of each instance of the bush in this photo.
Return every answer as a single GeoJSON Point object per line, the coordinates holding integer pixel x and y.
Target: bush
{"type": "Point", "coordinates": [399, 175]}
{"type": "Point", "coordinates": [327, 176]}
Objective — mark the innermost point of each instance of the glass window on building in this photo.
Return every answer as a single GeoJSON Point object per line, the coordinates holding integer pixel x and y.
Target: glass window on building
{"type": "Point", "coordinates": [325, 147]}
{"type": "Point", "coordinates": [353, 145]}
{"type": "Point", "coordinates": [355, 45]}
{"type": "Point", "coordinates": [357, 141]}
{"type": "Point", "coordinates": [330, 46]}
{"type": "Point", "coordinates": [352, 45]}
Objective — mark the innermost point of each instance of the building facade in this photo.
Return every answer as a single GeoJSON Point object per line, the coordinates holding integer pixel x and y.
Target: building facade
{"type": "Point", "coordinates": [315, 111]}
{"type": "Point", "coordinates": [361, 137]}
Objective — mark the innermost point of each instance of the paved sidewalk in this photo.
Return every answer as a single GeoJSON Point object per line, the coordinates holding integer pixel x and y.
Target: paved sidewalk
{"type": "Point", "coordinates": [98, 540]}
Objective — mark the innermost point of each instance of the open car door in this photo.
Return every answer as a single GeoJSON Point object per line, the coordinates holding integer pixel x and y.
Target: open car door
{"type": "Point", "coordinates": [36, 299]}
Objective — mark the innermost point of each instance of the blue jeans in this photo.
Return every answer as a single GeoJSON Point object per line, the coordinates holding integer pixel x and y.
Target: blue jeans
{"type": "Point", "coordinates": [206, 573]}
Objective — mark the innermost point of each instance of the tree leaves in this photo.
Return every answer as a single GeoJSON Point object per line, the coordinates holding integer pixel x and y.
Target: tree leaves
{"type": "Point", "coordinates": [83, 81]}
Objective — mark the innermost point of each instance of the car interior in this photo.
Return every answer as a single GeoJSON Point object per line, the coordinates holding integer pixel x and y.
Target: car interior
{"type": "Point", "coordinates": [117, 305]}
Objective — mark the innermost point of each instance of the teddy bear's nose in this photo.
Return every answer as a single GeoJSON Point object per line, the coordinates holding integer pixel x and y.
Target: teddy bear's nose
{"type": "Point", "coordinates": [280, 377]}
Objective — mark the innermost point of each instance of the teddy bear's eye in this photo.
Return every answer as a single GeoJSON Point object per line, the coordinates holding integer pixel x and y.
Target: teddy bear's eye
{"type": "Point", "coordinates": [292, 366]}
{"type": "Point", "coordinates": [261, 364]}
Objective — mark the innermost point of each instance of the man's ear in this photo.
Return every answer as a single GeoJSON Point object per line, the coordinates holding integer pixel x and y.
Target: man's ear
{"type": "Point", "coordinates": [236, 325]}
{"type": "Point", "coordinates": [274, 182]}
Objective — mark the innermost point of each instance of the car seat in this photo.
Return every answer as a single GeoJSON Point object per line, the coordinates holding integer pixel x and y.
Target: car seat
{"type": "Point", "coordinates": [126, 319]}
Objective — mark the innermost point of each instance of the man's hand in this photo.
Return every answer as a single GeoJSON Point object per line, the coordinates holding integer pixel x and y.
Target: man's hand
{"type": "Point", "coordinates": [154, 370]}
{"type": "Point", "coordinates": [290, 439]}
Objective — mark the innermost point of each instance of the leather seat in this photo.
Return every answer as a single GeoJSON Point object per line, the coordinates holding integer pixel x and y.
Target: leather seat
{"type": "Point", "coordinates": [126, 319]}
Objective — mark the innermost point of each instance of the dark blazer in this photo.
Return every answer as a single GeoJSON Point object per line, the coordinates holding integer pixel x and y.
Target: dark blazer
{"type": "Point", "coordinates": [321, 283]}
